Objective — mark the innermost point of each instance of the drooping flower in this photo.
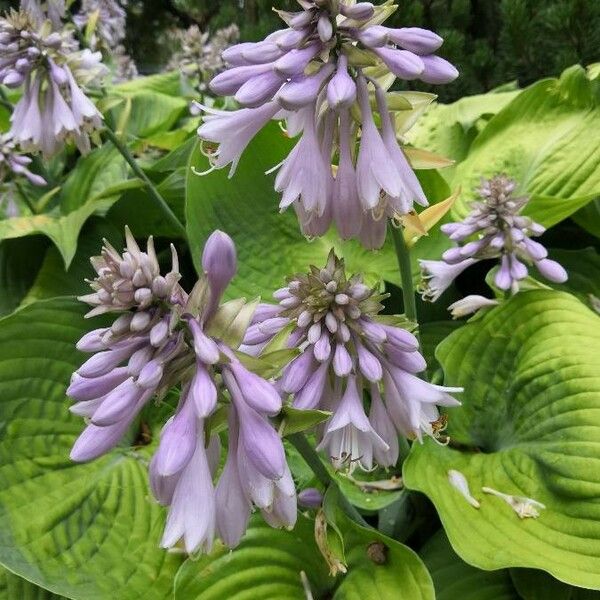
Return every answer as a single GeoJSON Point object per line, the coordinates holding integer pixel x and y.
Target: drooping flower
{"type": "Point", "coordinates": [350, 353]}
{"type": "Point", "coordinates": [11, 161]}
{"type": "Point", "coordinates": [51, 69]}
{"type": "Point", "coordinates": [493, 229]}
{"type": "Point", "coordinates": [469, 305]}
{"type": "Point", "coordinates": [312, 76]}
{"type": "Point", "coordinates": [162, 338]}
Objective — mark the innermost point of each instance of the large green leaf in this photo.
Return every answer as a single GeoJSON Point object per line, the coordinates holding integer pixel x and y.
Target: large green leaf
{"type": "Point", "coordinates": [54, 280]}
{"type": "Point", "coordinates": [528, 427]}
{"type": "Point", "coordinates": [269, 244]}
{"type": "Point", "coordinates": [63, 230]}
{"type": "Point", "coordinates": [267, 565]}
{"type": "Point", "coordinates": [84, 531]}
{"type": "Point", "coordinates": [93, 174]}
{"type": "Point", "coordinates": [13, 587]}
{"type": "Point", "coordinates": [455, 579]}
{"type": "Point", "coordinates": [20, 261]}
{"type": "Point", "coordinates": [583, 267]}
{"type": "Point", "coordinates": [547, 140]}
{"type": "Point", "coordinates": [380, 568]}
{"type": "Point", "coordinates": [537, 585]}
{"type": "Point", "coordinates": [449, 129]}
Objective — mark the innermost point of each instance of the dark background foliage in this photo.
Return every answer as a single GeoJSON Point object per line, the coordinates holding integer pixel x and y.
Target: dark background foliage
{"type": "Point", "coordinates": [491, 41]}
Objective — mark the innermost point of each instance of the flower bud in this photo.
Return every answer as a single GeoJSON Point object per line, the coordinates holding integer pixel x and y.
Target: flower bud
{"type": "Point", "coordinates": [341, 90]}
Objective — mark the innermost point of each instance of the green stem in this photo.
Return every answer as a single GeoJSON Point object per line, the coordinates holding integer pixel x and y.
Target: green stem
{"type": "Point", "coordinates": [154, 193]}
{"type": "Point", "coordinates": [403, 256]}
{"type": "Point", "coordinates": [4, 101]}
{"type": "Point", "coordinates": [310, 456]}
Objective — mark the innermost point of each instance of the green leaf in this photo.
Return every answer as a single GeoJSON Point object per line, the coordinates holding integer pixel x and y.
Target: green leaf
{"type": "Point", "coordinates": [370, 491]}
{"type": "Point", "coordinates": [267, 565]}
{"type": "Point", "coordinates": [583, 267]}
{"type": "Point", "coordinates": [449, 129]}
{"type": "Point", "coordinates": [528, 427]}
{"type": "Point", "coordinates": [20, 260]}
{"type": "Point", "coordinates": [537, 585]}
{"type": "Point", "coordinates": [63, 230]}
{"type": "Point", "coordinates": [453, 578]}
{"type": "Point", "coordinates": [588, 217]}
{"type": "Point", "coordinates": [54, 280]}
{"type": "Point", "coordinates": [163, 83]}
{"type": "Point", "coordinates": [232, 320]}
{"type": "Point", "coordinates": [82, 531]}
{"type": "Point", "coordinates": [93, 174]}
{"type": "Point", "coordinates": [546, 139]}
{"type": "Point", "coordinates": [380, 567]}
{"type": "Point", "coordinates": [13, 587]}
{"type": "Point", "coordinates": [295, 420]}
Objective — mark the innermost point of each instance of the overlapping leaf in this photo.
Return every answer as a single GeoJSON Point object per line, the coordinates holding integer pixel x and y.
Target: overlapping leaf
{"type": "Point", "coordinates": [528, 427]}
{"type": "Point", "coordinates": [83, 531]}
{"type": "Point", "coordinates": [546, 139]}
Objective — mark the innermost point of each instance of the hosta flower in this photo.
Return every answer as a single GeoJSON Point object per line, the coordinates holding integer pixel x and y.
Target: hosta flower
{"type": "Point", "coordinates": [107, 19]}
{"type": "Point", "coordinates": [494, 229]}
{"type": "Point", "coordinates": [313, 76]}
{"type": "Point", "coordinates": [164, 337]}
{"type": "Point", "coordinates": [350, 353]}
{"type": "Point", "coordinates": [50, 69]}
{"type": "Point", "coordinates": [200, 56]}
{"type": "Point", "coordinates": [11, 161]}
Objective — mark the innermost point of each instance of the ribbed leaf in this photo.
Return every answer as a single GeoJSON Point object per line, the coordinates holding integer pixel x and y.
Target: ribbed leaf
{"type": "Point", "coordinates": [528, 427]}
{"type": "Point", "coordinates": [453, 578]}
{"type": "Point", "coordinates": [546, 139]}
{"type": "Point", "coordinates": [84, 531]}
{"type": "Point", "coordinates": [267, 565]}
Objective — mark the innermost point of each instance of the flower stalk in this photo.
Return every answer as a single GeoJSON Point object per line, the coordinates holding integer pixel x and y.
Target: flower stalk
{"type": "Point", "coordinates": [404, 266]}
{"type": "Point", "coordinates": [154, 193]}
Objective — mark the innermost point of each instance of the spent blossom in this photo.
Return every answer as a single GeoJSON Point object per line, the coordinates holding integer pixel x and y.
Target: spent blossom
{"type": "Point", "coordinates": [350, 352]}
{"type": "Point", "coordinates": [495, 228]}
{"type": "Point", "coordinates": [161, 338]}
{"type": "Point", "coordinates": [319, 75]}
{"type": "Point", "coordinates": [49, 67]}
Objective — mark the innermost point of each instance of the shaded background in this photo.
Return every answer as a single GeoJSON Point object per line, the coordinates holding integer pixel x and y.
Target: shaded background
{"type": "Point", "coordinates": [491, 41]}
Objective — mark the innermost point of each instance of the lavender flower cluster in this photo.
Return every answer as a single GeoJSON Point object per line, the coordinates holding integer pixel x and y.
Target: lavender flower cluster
{"type": "Point", "coordinates": [109, 19]}
{"type": "Point", "coordinates": [494, 229]}
{"type": "Point", "coordinates": [12, 161]}
{"type": "Point", "coordinates": [349, 351]}
{"type": "Point", "coordinates": [50, 68]}
{"type": "Point", "coordinates": [163, 337]}
{"type": "Point", "coordinates": [315, 75]}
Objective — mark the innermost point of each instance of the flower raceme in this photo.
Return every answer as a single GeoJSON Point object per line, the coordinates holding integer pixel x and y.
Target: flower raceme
{"type": "Point", "coordinates": [316, 75]}
{"type": "Point", "coordinates": [350, 352]}
{"type": "Point", "coordinates": [494, 229]}
{"type": "Point", "coordinates": [162, 337]}
{"type": "Point", "coordinates": [48, 65]}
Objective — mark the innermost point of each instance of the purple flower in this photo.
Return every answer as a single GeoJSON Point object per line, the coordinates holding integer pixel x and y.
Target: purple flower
{"type": "Point", "coordinates": [493, 229]}
{"type": "Point", "coordinates": [163, 337]}
{"type": "Point", "coordinates": [50, 68]}
{"type": "Point", "coordinates": [347, 351]}
{"type": "Point", "coordinates": [12, 162]}
{"type": "Point", "coordinates": [309, 75]}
